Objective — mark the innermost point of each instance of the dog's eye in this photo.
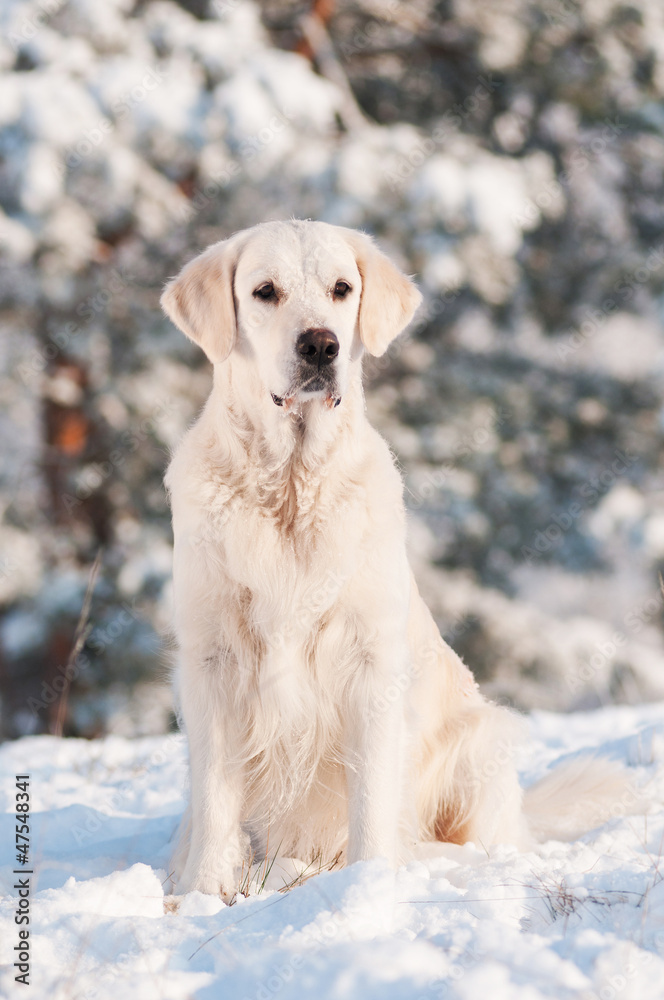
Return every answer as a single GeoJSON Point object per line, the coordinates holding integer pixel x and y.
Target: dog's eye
{"type": "Point", "coordinates": [341, 289]}
{"type": "Point", "coordinates": [267, 292]}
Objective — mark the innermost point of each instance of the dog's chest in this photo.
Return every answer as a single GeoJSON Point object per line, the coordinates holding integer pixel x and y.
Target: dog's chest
{"type": "Point", "coordinates": [288, 546]}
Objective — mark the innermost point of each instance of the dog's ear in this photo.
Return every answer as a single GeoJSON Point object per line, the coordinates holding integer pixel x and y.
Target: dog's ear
{"type": "Point", "coordinates": [201, 302]}
{"type": "Point", "coordinates": [389, 298]}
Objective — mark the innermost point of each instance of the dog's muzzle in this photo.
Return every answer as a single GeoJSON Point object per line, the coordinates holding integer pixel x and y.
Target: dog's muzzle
{"type": "Point", "coordinates": [317, 348]}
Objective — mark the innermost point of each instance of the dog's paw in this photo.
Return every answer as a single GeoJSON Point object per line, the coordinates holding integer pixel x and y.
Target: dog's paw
{"type": "Point", "coordinates": [210, 882]}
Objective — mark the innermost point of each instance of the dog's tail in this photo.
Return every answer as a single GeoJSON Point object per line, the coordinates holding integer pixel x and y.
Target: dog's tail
{"type": "Point", "coordinates": [579, 795]}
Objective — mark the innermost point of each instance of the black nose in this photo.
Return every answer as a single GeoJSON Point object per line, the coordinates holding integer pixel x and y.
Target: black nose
{"type": "Point", "coordinates": [318, 347]}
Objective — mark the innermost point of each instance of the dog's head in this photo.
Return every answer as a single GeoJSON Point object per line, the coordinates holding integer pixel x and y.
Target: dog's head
{"type": "Point", "coordinates": [299, 299]}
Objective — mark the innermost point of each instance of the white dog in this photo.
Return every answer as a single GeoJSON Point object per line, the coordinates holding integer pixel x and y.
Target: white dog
{"type": "Point", "coordinates": [324, 712]}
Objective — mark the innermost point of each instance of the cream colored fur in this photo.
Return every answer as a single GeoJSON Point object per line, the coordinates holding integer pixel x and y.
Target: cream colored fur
{"type": "Point", "coordinates": [323, 709]}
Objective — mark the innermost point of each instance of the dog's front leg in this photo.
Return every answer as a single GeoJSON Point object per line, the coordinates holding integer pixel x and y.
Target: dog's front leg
{"type": "Point", "coordinates": [216, 847]}
{"type": "Point", "coordinates": [375, 743]}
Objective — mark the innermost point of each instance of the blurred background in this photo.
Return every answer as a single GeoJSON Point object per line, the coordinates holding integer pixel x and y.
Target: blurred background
{"type": "Point", "coordinates": [508, 154]}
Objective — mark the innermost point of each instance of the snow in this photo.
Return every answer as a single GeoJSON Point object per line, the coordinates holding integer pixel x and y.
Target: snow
{"type": "Point", "coordinates": [581, 920]}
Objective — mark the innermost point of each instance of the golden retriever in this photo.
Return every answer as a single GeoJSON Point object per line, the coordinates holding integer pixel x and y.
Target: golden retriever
{"type": "Point", "coordinates": [323, 709]}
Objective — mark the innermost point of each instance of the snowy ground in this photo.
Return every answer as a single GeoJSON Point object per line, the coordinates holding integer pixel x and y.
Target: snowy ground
{"type": "Point", "coordinates": [572, 920]}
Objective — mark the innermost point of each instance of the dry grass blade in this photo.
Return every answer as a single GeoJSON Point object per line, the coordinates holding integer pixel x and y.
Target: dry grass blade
{"type": "Point", "coordinates": [310, 871]}
{"type": "Point", "coordinates": [83, 629]}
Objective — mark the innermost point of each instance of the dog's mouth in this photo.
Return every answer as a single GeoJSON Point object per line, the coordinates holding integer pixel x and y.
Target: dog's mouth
{"type": "Point", "coordinates": [316, 385]}
{"type": "Point", "coordinates": [289, 402]}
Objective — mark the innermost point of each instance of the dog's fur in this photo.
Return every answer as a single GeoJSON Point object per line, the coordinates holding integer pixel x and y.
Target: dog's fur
{"type": "Point", "coordinates": [323, 709]}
